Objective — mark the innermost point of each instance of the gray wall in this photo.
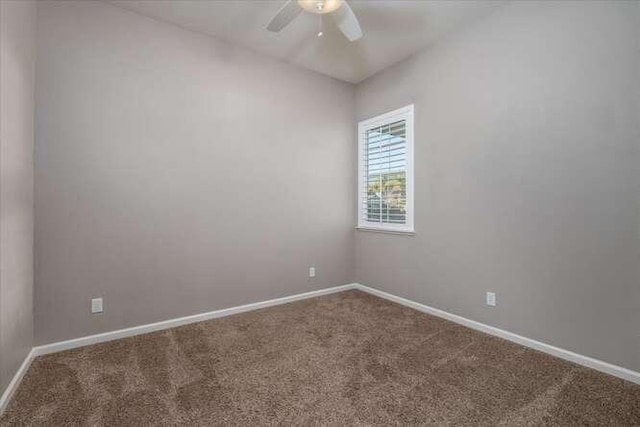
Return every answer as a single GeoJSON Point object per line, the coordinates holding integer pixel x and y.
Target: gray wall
{"type": "Point", "coordinates": [527, 174]}
{"type": "Point", "coordinates": [176, 174]}
{"type": "Point", "coordinates": [17, 66]}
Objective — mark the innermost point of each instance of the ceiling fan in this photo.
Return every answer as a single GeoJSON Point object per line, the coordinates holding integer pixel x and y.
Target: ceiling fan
{"type": "Point", "coordinates": [339, 10]}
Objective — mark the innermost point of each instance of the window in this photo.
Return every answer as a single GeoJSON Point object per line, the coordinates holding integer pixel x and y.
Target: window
{"type": "Point", "coordinates": [385, 171]}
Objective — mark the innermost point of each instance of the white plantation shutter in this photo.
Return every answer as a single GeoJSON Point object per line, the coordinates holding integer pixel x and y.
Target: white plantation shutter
{"type": "Point", "coordinates": [385, 171]}
{"type": "Point", "coordinates": [385, 174]}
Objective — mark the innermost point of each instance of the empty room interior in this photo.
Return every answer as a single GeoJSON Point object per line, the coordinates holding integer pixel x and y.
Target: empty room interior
{"type": "Point", "coordinates": [320, 212]}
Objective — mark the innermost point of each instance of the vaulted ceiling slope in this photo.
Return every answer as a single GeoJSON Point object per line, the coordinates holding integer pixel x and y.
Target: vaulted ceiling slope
{"type": "Point", "coordinates": [393, 29]}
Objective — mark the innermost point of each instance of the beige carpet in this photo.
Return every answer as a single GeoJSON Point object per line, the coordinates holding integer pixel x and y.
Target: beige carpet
{"type": "Point", "coordinates": [347, 358]}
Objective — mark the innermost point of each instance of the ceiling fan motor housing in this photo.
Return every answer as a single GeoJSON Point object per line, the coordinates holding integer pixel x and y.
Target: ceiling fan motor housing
{"type": "Point", "coordinates": [320, 7]}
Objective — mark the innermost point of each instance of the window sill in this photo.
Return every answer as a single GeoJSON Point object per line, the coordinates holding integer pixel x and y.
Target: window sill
{"type": "Point", "coordinates": [386, 231]}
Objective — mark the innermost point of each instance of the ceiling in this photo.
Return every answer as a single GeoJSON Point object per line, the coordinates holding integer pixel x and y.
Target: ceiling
{"type": "Point", "coordinates": [393, 29]}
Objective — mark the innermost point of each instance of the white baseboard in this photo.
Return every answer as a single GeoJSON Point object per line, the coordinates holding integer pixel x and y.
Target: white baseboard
{"type": "Point", "coordinates": [15, 381]}
{"type": "Point", "coordinates": [166, 324]}
{"type": "Point", "coordinates": [580, 359]}
{"type": "Point", "coordinates": [152, 327]}
{"type": "Point", "coordinates": [598, 365]}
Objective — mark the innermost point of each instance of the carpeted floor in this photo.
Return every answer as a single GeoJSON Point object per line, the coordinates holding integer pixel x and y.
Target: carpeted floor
{"type": "Point", "coordinates": [346, 358]}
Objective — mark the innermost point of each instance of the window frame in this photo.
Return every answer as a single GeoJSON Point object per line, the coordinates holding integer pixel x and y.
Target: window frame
{"type": "Point", "coordinates": [405, 113]}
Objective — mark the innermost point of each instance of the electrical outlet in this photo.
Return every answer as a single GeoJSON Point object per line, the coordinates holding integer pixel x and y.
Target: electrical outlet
{"type": "Point", "coordinates": [491, 299]}
{"type": "Point", "coordinates": [312, 272]}
{"type": "Point", "coordinates": [96, 305]}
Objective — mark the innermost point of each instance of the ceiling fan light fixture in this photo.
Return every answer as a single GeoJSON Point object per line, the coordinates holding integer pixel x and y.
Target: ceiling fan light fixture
{"type": "Point", "coordinates": [320, 6]}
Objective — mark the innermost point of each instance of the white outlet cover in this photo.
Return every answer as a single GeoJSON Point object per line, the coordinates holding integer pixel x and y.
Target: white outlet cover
{"type": "Point", "coordinates": [312, 272]}
{"type": "Point", "coordinates": [96, 305]}
{"type": "Point", "coordinates": [491, 299]}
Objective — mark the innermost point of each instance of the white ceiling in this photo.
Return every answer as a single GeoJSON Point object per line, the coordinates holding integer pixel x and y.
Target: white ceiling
{"type": "Point", "coordinates": [393, 29]}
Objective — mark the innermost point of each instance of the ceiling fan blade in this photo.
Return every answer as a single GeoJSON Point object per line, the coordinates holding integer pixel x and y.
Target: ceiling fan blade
{"type": "Point", "coordinates": [347, 22]}
{"type": "Point", "coordinates": [285, 15]}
